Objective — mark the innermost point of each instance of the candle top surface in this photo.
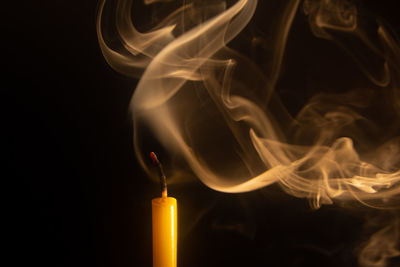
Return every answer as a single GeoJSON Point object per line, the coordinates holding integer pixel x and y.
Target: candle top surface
{"type": "Point", "coordinates": [164, 201]}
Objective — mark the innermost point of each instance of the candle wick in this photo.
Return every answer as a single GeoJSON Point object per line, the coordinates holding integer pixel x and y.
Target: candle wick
{"type": "Point", "coordinates": [164, 194]}
{"type": "Point", "coordinates": [163, 179]}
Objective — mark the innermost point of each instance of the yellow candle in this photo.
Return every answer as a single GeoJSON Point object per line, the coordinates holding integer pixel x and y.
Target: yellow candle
{"type": "Point", "coordinates": [164, 212]}
{"type": "Point", "coordinates": [165, 234]}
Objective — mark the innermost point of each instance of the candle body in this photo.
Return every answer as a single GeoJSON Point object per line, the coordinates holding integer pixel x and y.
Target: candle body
{"type": "Point", "coordinates": [164, 213]}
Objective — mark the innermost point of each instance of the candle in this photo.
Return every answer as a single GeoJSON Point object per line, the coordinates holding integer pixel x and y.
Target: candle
{"type": "Point", "coordinates": [164, 231]}
{"type": "Point", "coordinates": [164, 219]}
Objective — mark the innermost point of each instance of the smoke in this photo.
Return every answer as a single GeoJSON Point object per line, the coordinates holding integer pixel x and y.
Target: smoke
{"type": "Point", "coordinates": [218, 110]}
{"type": "Point", "coordinates": [382, 245]}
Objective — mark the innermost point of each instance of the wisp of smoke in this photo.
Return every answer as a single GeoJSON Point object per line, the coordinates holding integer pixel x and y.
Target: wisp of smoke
{"type": "Point", "coordinates": [219, 112]}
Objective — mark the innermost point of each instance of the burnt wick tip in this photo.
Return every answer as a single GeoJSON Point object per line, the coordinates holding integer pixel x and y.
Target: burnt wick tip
{"type": "Point", "coordinates": [163, 180]}
{"type": "Point", "coordinates": [154, 158]}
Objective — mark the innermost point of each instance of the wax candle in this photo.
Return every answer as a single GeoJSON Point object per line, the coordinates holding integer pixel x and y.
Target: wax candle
{"type": "Point", "coordinates": [164, 211]}
{"type": "Point", "coordinates": [164, 219]}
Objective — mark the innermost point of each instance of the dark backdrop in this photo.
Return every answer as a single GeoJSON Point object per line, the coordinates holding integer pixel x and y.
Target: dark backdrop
{"type": "Point", "coordinates": [74, 193]}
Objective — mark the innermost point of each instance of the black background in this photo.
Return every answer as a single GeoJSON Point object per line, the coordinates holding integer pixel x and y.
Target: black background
{"type": "Point", "coordinates": [74, 194]}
